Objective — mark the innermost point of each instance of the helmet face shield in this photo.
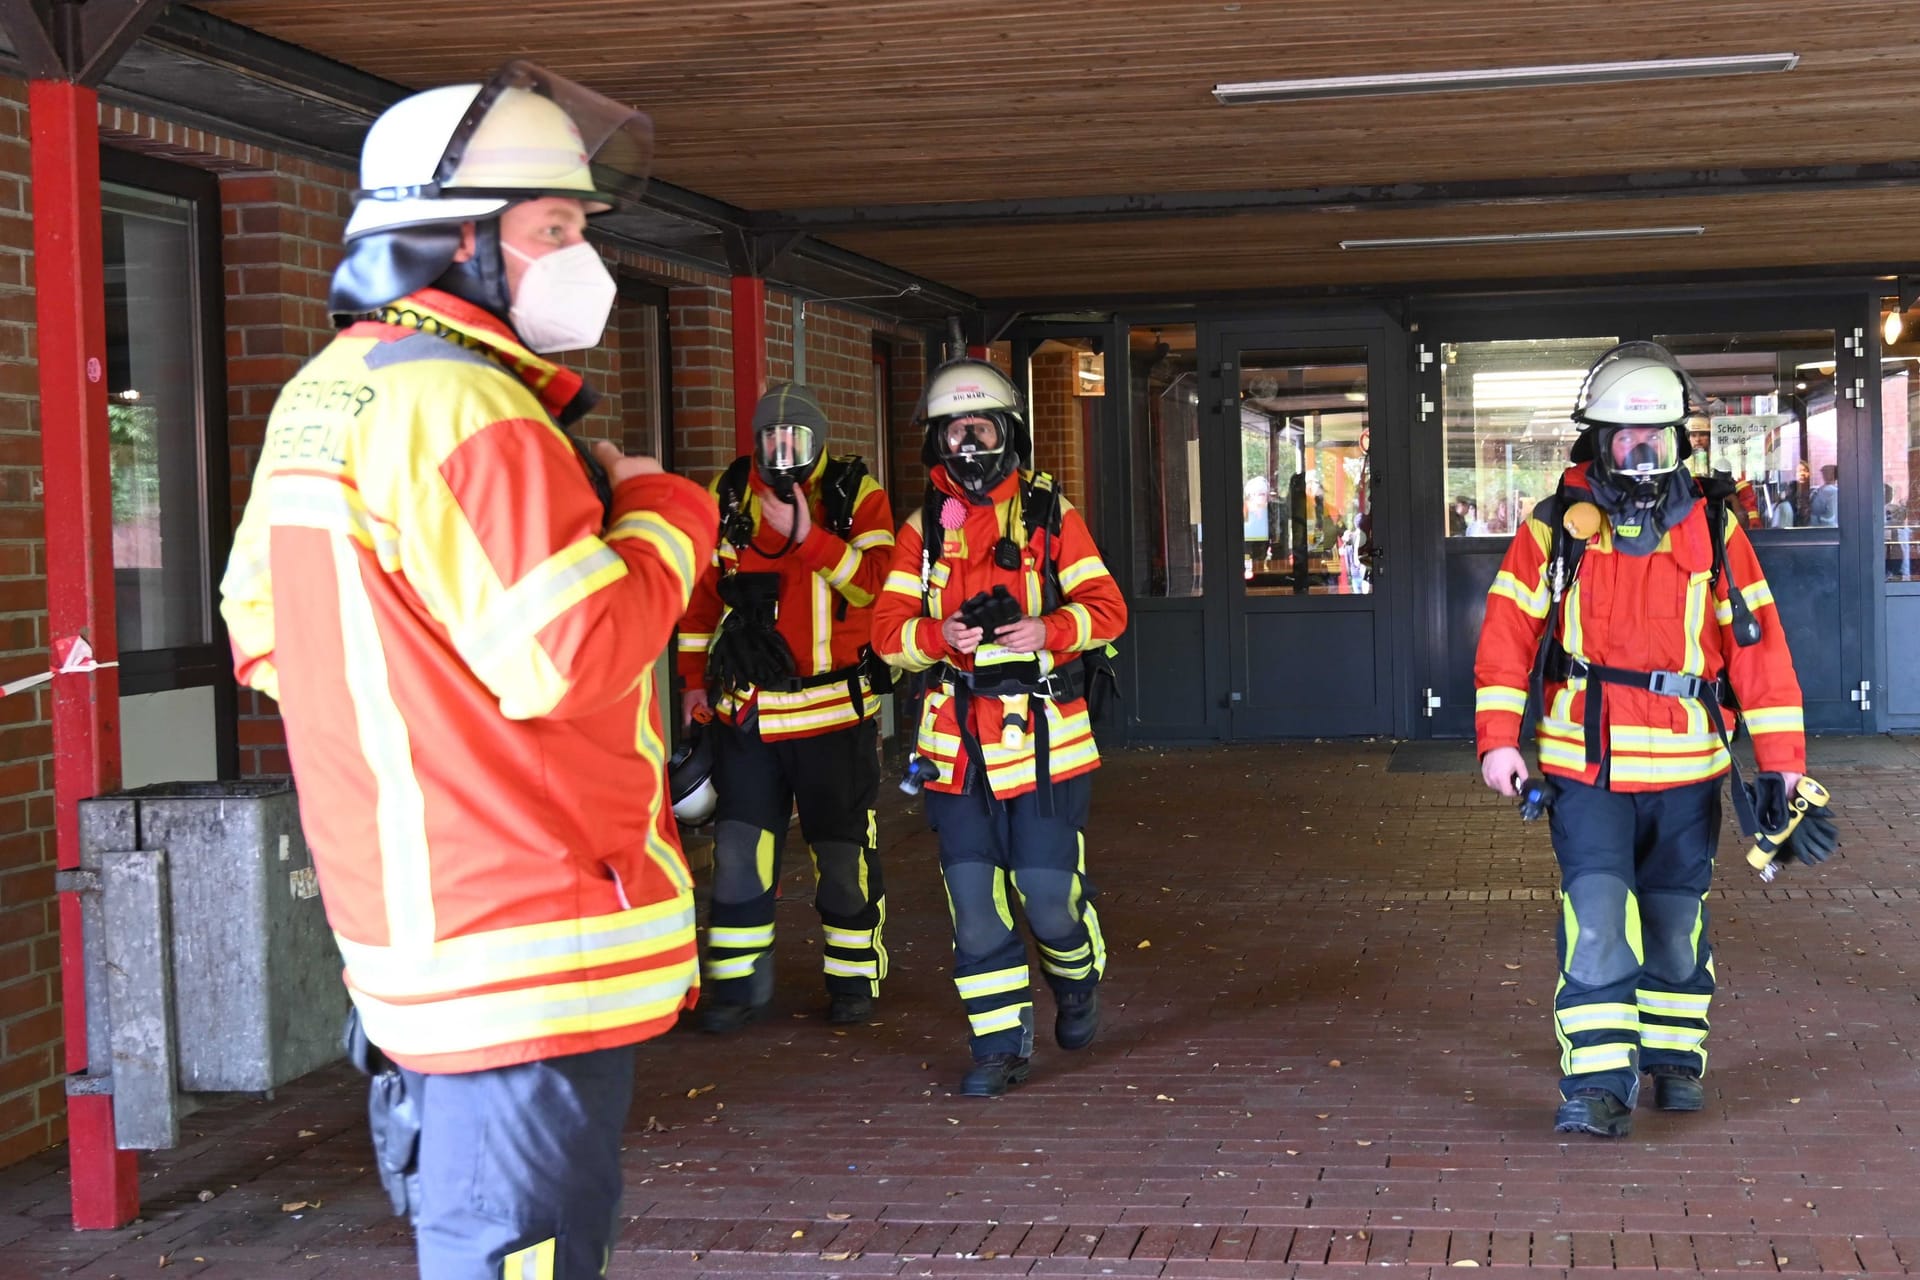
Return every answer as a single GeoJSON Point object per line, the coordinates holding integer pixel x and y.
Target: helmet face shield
{"type": "Point", "coordinates": [526, 133]}
{"type": "Point", "coordinates": [973, 449]}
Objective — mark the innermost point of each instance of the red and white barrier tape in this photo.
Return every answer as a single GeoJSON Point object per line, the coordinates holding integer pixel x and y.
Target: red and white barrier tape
{"type": "Point", "coordinates": [72, 655]}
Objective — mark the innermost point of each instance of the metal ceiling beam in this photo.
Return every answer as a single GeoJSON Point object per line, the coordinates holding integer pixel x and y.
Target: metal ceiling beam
{"type": "Point", "coordinates": [1398, 195]}
{"type": "Point", "coordinates": [298, 73]}
{"type": "Point", "coordinates": [69, 40]}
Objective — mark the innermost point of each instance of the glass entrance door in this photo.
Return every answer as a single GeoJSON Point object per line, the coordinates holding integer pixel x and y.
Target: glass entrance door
{"type": "Point", "coordinates": [1308, 648]}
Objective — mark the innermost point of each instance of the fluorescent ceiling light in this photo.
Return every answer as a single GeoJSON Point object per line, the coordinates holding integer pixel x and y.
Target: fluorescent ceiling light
{"type": "Point", "coordinates": [1500, 78]}
{"type": "Point", "coordinates": [1524, 237]}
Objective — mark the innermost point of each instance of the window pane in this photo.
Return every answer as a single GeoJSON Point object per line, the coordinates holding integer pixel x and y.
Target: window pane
{"type": "Point", "coordinates": [1305, 483]}
{"type": "Point", "coordinates": [637, 388]}
{"type": "Point", "coordinates": [1770, 402]}
{"type": "Point", "coordinates": [1900, 449]}
{"type": "Point", "coordinates": [1166, 462]}
{"type": "Point", "coordinates": [1505, 407]}
{"type": "Point", "coordinates": [153, 420]}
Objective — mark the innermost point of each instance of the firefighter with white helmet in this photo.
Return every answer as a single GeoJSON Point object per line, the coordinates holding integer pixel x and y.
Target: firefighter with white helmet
{"type": "Point", "coordinates": [1629, 612]}
{"type": "Point", "coordinates": [999, 601]}
{"type": "Point", "coordinates": [459, 610]}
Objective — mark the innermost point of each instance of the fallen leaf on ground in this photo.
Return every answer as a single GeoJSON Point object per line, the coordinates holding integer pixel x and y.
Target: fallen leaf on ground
{"type": "Point", "coordinates": [309, 1133]}
{"type": "Point", "coordinates": [1321, 1115]}
{"type": "Point", "coordinates": [1333, 1062]}
{"type": "Point", "coordinates": [838, 1217]}
{"type": "Point", "coordinates": [838, 1257]}
{"type": "Point", "coordinates": [1363, 1142]}
{"type": "Point", "coordinates": [1161, 1097]}
{"type": "Point", "coordinates": [1466, 1262]}
{"type": "Point", "coordinates": [705, 1088]}
{"type": "Point", "coordinates": [1144, 944]}
{"type": "Point", "coordinates": [204, 1196]}
{"type": "Point", "coordinates": [294, 1206]}
{"type": "Point", "coordinates": [1513, 966]}
{"type": "Point", "coordinates": [796, 1235]}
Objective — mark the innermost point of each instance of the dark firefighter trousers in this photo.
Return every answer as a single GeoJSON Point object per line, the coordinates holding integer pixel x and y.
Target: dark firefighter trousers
{"type": "Point", "coordinates": [992, 852]}
{"type": "Point", "coordinates": [512, 1173]}
{"type": "Point", "coordinates": [834, 779]}
{"type": "Point", "coordinates": [1636, 970]}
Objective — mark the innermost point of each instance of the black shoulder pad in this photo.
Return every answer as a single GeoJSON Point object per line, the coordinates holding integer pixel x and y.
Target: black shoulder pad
{"type": "Point", "coordinates": [1040, 503]}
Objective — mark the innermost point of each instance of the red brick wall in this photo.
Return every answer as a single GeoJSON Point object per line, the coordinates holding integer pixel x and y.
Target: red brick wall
{"type": "Point", "coordinates": [31, 1099]}
{"type": "Point", "coordinates": [1058, 437]}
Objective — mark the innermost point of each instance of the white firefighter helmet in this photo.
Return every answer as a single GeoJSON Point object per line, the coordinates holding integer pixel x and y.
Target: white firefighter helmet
{"type": "Point", "coordinates": [1636, 384]}
{"type": "Point", "coordinates": [690, 779]}
{"type": "Point", "coordinates": [465, 152]}
{"type": "Point", "coordinates": [966, 388]}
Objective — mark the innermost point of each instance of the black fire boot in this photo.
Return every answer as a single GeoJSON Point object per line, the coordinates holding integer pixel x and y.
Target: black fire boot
{"type": "Point", "coordinates": [848, 1008]}
{"type": "Point", "coordinates": [719, 1019]}
{"type": "Point", "coordinates": [1677, 1089]}
{"type": "Point", "coordinates": [1076, 1018]}
{"type": "Point", "coordinates": [994, 1075]}
{"type": "Point", "coordinates": [1594, 1111]}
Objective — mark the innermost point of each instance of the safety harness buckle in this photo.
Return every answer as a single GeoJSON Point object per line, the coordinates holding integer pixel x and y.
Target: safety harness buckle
{"type": "Point", "coordinates": [1676, 684]}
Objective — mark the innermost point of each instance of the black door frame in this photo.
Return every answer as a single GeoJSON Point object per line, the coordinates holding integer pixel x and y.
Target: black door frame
{"type": "Point", "coordinates": [1221, 341]}
{"type": "Point", "coordinates": [1849, 308]}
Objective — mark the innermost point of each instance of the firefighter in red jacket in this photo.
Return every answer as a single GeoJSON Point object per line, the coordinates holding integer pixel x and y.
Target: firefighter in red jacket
{"type": "Point", "coordinates": [1003, 609]}
{"type": "Point", "coordinates": [775, 647]}
{"type": "Point", "coordinates": [1613, 607]}
{"type": "Point", "coordinates": [459, 617]}
{"type": "Point", "coordinates": [1700, 462]}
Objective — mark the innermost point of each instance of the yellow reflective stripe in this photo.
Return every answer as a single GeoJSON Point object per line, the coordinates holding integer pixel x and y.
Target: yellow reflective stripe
{"type": "Point", "coordinates": [1599, 1057]}
{"type": "Point", "coordinates": [1081, 952]}
{"type": "Point", "coordinates": [545, 592]}
{"type": "Point", "coordinates": [1005, 1018]}
{"type": "Point", "coordinates": [721, 969]}
{"type": "Point", "coordinates": [535, 1262]}
{"type": "Point", "coordinates": [822, 601]}
{"type": "Point", "coordinates": [873, 538]}
{"type": "Point", "coordinates": [1627, 768]}
{"type": "Point", "coordinates": [1598, 1017]}
{"type": "Point", "coordinates": [1082, 570]}
{"type": "Point", "coordinates": [1693, 1006]}
{"type": "Point", "coordinates": [840, 968]}
{"type": "Point", "coordinates": [1693, 661]}
{"type": "Point", "coordinates": [1663, 1036]}
{"type": "Point", "coordinates": [994, 983]}
{"type": "Point", "coordinates": [524, 951]}
{"type": "Point", "coordinates": [736, 936]}
{"type": "Point", "coordinates": [1533, 602]}
{"type": "Point", "coordinates": [909, 642]}
{"type": "Point", "coordinates": [468, 1023]}
{"type": "Point", "coordinates": [664, 853]}
{"type": "Point", "coordinates": [386, 743]}
{"type": "Point", "coordinates": [851, 938]}
{"type": "Point", "coordinates": [844, 568]}
{"type": "Point", "coordinates": [660, 533]}
{"type": "Point", "coordinates": [1647, 740]}
{"type": "Point", "coordinates": [318, 502]}
{"type": "Point", "coordinates": [1082, 625]}
{"type": "Point", "coordinates": [1757, 593]}
{"type": "Point", "coordinates": [1496, 697]}
{"type": "Point", "coordinates": [902, 583]}
{"type": "Point", "coordinates": [1775, 720]}
{"type": "Point", "coordinates": [695, 641]}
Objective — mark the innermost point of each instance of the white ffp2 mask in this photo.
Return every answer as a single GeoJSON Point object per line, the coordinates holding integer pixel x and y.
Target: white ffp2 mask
{"type": "Point", "coordinates": [563, 300]}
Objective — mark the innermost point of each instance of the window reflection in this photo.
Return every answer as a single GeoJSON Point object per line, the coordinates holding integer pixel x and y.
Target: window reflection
{"type": "Point", "coordinates": [1306, 488]}
{"type": "Point", "coordinates": [1900, 453]}
{"type": "Point", "coordinates": [153, 420]}
{"type": "Point", "coordinates": [1166, 497]}
{"type": "Point", "coordinates": [1772, 420]}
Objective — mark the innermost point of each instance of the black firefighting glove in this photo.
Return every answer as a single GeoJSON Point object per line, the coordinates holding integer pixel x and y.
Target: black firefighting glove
{"type": "Point", "coordinates": [1793, 828]}
{"type": "Point", "coordinates": [1536, 798]}
{"type": "Point", "coordinates": [991, 612]}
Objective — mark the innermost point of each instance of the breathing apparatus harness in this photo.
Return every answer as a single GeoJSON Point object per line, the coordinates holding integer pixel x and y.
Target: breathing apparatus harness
{"type": "Point", "coordinates": [1037, 509]}
{"type": "Point", "coordinates": [748, 651]}
{"type": "Point", "coordinates": [1552, 661]}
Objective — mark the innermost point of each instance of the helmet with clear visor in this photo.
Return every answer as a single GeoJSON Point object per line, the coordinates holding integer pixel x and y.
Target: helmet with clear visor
{"type": "Point", "coordinates": [975, 423]}
{"type": "Point", "coordinates": [465, 152]}
{"type": "Point", "coordinates": [1637, 405]}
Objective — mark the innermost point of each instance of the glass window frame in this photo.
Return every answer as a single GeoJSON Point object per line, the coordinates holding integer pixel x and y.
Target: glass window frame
{"type": "Point", "coordinates": [209, 664]}
{"type": "Point", "coordinates": [636, 290]}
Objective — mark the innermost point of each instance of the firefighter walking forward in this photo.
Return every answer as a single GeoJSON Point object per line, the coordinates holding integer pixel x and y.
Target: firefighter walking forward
{"type": "Point", "coordinates": [1003, 609]}
{"type": "Point", "coordinates": [776, 647]}
{"type": "Point", "coordinates": [1629, 612]}
{"type": "Point", "coordinates": [457, 609]}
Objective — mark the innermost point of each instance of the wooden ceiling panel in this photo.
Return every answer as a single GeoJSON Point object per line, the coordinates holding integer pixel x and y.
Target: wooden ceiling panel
{"type": "Point", "coordinates": [1250, 252]}
{"type": "Point", "coordinates": [773, 104]}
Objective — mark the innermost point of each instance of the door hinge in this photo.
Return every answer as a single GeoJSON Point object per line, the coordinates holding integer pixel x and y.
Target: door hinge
{"type": "Point", "coordinates": [1857, 393]}
{"type": "Point", "coordinates": [1426, 355]}
{"type": "Point", "coordinates": [1432, 701]}
{"type": "Point", "coordinates": [1855, 342]}
{"type": "Point", "coordinates": [1426, 408]}
{"type": "Point", "coordinates": [1863, 695]}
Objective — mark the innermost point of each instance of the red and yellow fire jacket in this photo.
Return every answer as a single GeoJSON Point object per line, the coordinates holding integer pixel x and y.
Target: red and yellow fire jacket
{"type": "Point", "coordinates": [1659, 612]}
{"type": "Point", "coordinates": [463, 657]}
{"type": "Point", "coordinates": [906, 632]}
{"type": "Point", "coordinates": [827, 586]}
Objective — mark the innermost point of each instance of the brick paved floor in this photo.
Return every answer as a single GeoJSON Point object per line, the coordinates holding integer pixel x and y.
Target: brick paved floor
{"type": "Point", "coordinates": [1327, 1047]}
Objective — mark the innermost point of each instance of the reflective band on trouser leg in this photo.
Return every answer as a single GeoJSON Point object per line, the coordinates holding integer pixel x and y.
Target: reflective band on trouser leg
{"type": "Point", "coordinates": [739, 967]}
{"type": "Point", "coordinates": [1676, 986]}
{"type": "Point", "coordinates": [989, 962]}
{"type": "Point", "coordinates": [1595, 1018]}
{"type": "Point", "coordinates": [853, 913]}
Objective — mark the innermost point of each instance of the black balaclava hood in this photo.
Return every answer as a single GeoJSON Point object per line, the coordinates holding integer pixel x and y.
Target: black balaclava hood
{"type": "Point", "coordinates": [1638, 526]}
{"type": "Point", "coordinates": [482, 279]}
